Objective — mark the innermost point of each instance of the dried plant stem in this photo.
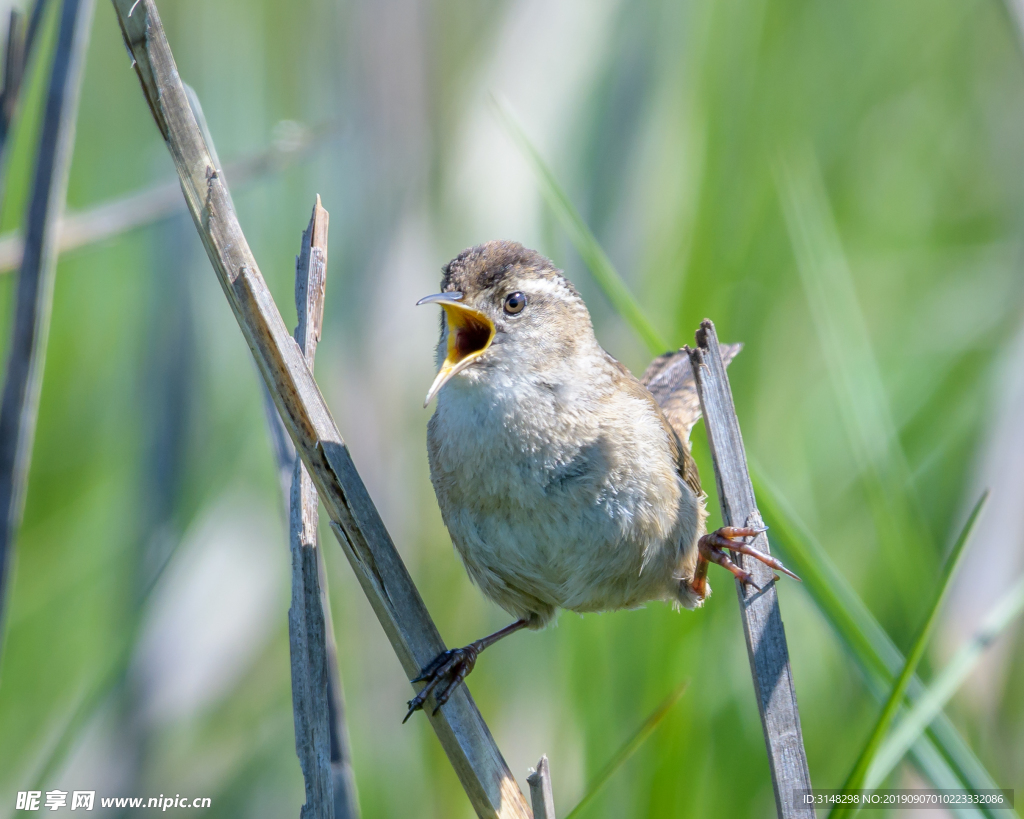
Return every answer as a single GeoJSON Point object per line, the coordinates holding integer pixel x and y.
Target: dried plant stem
{"type": "Point", "coordinates": [539, 781]}
{"type": "Point", "coordinates": [343, 776]}
{"type": "Point", "coordinates": [491, 788]}
{"type": "Point", "coordinates": [143, 207]}
{"type": "Point", "coordinates": [316, 697]}
{"type": "Point", "coordinates": [306, 632]}
{"type": "Point", "coordinates": [312, 646]}
{"type": "Point", "coordinates": [14, 70]}
{"type": "Point", "coordinates": [762, 620]}
{"type": "Point", "coordinates": [17, 51]}
{"type": "Point", "coordinates": [27, 352]}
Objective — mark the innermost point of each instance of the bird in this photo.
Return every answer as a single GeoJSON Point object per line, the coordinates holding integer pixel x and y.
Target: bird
{"type": "Point", "coordinates": [562, 480]}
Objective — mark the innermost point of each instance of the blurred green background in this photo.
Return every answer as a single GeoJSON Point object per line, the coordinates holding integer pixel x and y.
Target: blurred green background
{"type": "Point", "coordinates": [840, 185]}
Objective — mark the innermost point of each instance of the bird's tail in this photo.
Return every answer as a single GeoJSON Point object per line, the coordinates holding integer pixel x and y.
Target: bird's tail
{"type": "Point", "coordinates": [669, 378]}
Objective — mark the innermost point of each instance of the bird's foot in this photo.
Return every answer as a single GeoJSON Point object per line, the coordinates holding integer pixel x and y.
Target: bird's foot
{"type": "Point", "coordinates": [712, 548]}
{"type": "Point", "coordinates": [444, 674]}
{"type": "Point", "coordinates": [449, 668]}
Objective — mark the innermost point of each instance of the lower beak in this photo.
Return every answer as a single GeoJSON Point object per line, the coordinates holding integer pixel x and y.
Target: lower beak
{"type": "Point", "coordinates": [470, 333]}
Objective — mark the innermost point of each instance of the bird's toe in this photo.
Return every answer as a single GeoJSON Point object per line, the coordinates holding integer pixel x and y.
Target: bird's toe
{"type": "Point", "coordinates": [443, 675]}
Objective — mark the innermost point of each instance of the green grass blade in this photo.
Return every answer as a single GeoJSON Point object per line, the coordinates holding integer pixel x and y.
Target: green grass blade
{"type": "Point", "coordinates": [903, 534]}
{"type": "Point", "coordinates": [945, 685]}
{"type": "Point", "coordinates": [860, 769]}
{"type": "Point", "coordinates": [630, 747]}
{"type": "Point", "coordinates": [583, 240]}
{"type": "Point", "coordinates": [838, 320]}
{"type": "Point", "coordinates": [103, 686]}
{"type": "Point", "coordinates": [943, 753]}
{"type": "Point", "coordinates": [829, 590]}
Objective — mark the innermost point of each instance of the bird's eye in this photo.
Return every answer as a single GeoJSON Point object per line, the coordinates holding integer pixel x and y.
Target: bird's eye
{"type": "Point", "coordinates": [514, 303]}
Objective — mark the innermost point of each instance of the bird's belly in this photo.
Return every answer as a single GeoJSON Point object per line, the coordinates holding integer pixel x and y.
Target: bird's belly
{"type": "Point", "coordinates": [537, 535]}
{"type": "Point", "coordinates": [549, 507]}
{"type": "Point", "coordinates": [560, 554]}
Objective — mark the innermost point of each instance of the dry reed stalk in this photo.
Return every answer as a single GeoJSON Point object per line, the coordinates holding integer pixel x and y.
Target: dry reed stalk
{"type": "Point", "coordinates": [491, 788]}
{"type": "Point", "coordinates": [762, 620]}
{"type": "Point", "coordinates": [26, 357]}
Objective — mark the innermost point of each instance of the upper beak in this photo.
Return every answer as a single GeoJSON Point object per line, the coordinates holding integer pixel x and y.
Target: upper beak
{"type": "Point", "coordinates": [470, 333]}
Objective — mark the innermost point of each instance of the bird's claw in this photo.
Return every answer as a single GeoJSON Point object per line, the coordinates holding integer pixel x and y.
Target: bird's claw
{"type": "Point", "coordinates": [452, 666]}
{"type": "Point", "coordinates": [713, 545]}
{"type": "Point", "coordinates": [432, 668]}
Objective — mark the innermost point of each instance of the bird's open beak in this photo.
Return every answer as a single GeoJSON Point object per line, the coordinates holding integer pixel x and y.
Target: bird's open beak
{"type": "Point", "coordinates": [470, 333]}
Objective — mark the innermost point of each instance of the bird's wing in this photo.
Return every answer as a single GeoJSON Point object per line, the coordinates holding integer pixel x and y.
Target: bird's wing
{"type": "Point", "coordinates": [669, 378]}
{"type": "Point", "coordinates": [679, 447]}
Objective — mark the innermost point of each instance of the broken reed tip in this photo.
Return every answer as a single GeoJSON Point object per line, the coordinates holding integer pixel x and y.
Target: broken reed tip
{"type": "Point", "coordinates": [539, 780]}
{"type": "Point", "coordinates": [536, 775]}
{"type": "Point", "coordinates": [706, 326]}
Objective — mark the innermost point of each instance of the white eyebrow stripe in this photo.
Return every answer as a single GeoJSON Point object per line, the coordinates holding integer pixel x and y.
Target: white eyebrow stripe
{"type": "Point", "coordinates": [545, 286]}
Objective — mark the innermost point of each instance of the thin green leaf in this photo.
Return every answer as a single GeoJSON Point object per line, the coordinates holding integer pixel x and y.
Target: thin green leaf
{"type": "Point", "coordinates": [945, 685]}
{"type": "Point", "coordinates": [857, 776]}
{"type": "Point", "coordinates": [630, 746]}
{"type": "Point", "coordinates": [103, 686]}
{"type": "Point", "coordinates": [955, 765]}
{"type": "Point", "coordinates": [845, 341]}
{"type": "Point", "coordinates": [583, 240]}
{"type": "Point", "coordinates": [838, 320]}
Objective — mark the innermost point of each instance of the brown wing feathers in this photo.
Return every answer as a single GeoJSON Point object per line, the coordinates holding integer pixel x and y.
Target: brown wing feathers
{"type": "Point", "coordinates": [669, 379]}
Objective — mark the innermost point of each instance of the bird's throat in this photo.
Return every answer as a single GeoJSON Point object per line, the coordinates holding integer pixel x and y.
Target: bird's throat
{"type": "Point", "coordinates": [470, 339]}
{"type": "Point", "coordinates": [470, 333]}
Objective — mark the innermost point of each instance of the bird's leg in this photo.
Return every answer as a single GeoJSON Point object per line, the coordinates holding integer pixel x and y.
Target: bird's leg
{"type": "Point", "coordinates": [711, 549]}
{"type": "Point", "coordinates": [453, 665]}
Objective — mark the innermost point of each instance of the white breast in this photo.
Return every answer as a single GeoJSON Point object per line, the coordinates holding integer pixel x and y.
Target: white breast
{"type": "Point", "coordinates": [559, 498]}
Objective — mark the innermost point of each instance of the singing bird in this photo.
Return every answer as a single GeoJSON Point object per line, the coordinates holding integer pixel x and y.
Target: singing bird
{"type": "Point", "coordinates": [562, 481]}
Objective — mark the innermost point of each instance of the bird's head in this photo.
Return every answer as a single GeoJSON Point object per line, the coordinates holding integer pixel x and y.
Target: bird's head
{"type": "Point", "coordinates": [506, 307]}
